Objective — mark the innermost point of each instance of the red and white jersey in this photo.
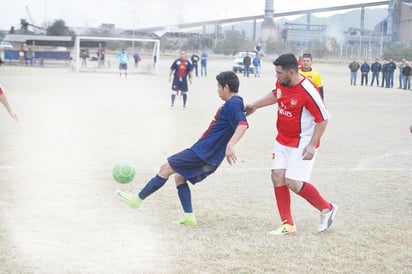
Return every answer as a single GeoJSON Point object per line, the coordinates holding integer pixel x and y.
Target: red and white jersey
{"type": "Point", "coordinates": [300, 107]}
{"type": "Point", "coordinates": [1, 90]}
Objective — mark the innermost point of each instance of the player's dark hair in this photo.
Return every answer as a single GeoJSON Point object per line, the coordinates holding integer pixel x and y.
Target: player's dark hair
{"type": "Point", "coordinates": [307, 55]}
{"type": "Point", "coordinates": [228, 78]}
{"type": "Point", "coordinates": [287, 62]}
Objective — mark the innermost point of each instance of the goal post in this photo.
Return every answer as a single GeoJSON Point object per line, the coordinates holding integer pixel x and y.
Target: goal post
{"type": "Point", "coordinates": [97, 40]}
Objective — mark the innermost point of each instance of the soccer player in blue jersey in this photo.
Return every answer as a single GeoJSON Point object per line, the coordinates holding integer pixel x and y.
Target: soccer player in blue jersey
{"type": "Point", "coordinates": [180, 69]}
{"type": "Point", "coordinates": [194, 164]}
{"type": "Point", "coordinates": [123, 58]}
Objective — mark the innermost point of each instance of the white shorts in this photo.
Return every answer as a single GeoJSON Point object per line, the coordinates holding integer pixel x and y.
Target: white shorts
{"type": "Point", "coordinates": [291, 159]}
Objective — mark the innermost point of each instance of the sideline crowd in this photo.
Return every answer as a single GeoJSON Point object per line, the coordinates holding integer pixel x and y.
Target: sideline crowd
{"type": "Point", "coordinates": [385, 73]}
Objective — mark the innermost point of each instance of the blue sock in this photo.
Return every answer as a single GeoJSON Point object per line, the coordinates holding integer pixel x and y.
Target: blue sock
{"type": "Point", "coordinates": [184, 99]}
{"type": "Point", "coordinates": [185, 197]}
{"type": "Point", "coordinates": [153, 185]}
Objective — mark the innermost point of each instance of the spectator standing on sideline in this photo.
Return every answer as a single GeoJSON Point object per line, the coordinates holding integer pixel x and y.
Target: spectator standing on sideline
{"type": "Point", "coordinates": [376, 69]}
{"type": "Point", "coordinates": [256, 65]}
{"type": "Point", "coordinates": [309, 72]}
{"type": "Point", "coordinates": [353, 67]}
{"type": "Point", "coordinates": [407, 73]}
{"type": "Point", "coordinates": [124, 59]}
{"type": "Point", "coordinates": [384, 72]}
{"type": "Point", "coordinates": [390, 70]}
{"type": "Point", "coordinates": [84, 54]}
{"type": "Point", "coordinates": [202, 159]}
{"type": "Point", "coordinates": [301, 121]}
{"type": "Point", "coordinates": [100, 57]}
{"type": "Point", "coordinates": [247, 61]}
{"type": "Point", "coordinates": [365, 68]}
{"type": "Point", "coordinates": [195, 62]}
{"type": "Point", "coordinates": [203, 63]}
{"type": "Point", "coordinates": [180, 69]}
{"type": "Point", "coordinates": [136, 58]}
{"type": "Point", "coordinates": [29, 57]}
{"type": "Point", "coordinates": [400, 67]}
{"type": "Point", "coordinates": [21, 55]}
{"type": "Point", "coordinates": [5, 102]}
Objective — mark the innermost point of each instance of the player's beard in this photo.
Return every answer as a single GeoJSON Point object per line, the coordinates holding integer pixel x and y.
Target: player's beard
{"type": "Point", "coordinates": [285, 82]}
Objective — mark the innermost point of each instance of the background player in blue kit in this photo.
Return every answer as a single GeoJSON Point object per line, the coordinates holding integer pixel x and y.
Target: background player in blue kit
{"type": "Point", "coordinates": [205, 156]}
{"type": "Point", "coordinates": [123, 58]}
{"type": "Point", "coordinates": [180, 69]}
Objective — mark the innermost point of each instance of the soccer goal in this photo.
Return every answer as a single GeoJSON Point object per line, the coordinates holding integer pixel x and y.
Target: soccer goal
{"type": "Point", "coordinates": [98, 54]}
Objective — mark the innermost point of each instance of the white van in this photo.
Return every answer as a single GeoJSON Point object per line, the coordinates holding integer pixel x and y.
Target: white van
{"type": "Point", "coordinates": [6, 45]}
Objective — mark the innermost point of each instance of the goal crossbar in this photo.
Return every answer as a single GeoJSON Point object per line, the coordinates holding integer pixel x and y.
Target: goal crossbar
{"type": "Point", "coordinates": [155, 53]}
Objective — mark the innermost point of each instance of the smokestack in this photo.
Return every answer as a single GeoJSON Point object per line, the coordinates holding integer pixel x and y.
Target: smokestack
{"type": "Point", "coordinates": [269, 9]}
{"type": "Point", "coordinates": [269, 32]}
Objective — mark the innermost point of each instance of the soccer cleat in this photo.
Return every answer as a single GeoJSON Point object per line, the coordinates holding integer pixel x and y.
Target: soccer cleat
{"type": "Point", "coordinates": [326, 218]}
{"type": "Point", "coordinates": [187, 220]}
{"type": "Point", "coordinates": [130, 198]}
{"type": "Point", "coordinates": [284, 229]}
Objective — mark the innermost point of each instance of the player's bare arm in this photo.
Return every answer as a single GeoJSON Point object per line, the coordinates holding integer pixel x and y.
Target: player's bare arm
{"type": "Point", "coordinates": [5, 102]}
{"type": "Point", "coordinates": [310, 149]}
{"type": "Point", "coordinates": [170, 75]}
{"type": "Point", "coordinates": [190, 77]}
{"type": "Point", "coordinates": [267, 100]}
{"type": "Point", "coordinates": [230, 148]}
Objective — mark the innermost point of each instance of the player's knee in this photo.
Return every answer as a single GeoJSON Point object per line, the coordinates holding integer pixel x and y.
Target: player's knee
{"type": "Point", "coordinates": [166, 170]}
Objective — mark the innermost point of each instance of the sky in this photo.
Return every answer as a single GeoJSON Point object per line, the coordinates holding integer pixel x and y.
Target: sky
{"type": "Point", "coordinates": [142, 13]}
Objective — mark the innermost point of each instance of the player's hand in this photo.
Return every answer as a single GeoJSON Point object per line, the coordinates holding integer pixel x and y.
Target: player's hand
{"type": "Point", "coordinates": [249, 109]}
{"type": "Point", "coordinates": [309, 152]}
{"type": "Point", "coordinates": [230, 154]}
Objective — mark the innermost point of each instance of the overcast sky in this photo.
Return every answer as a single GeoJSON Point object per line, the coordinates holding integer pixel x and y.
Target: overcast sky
{"type": "Point", "coordinates": [144, 13]}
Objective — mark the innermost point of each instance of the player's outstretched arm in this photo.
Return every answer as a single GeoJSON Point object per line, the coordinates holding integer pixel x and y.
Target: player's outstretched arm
{"type": "Point", "coordinates": [5, 102]}
{"type": "Point", "coordinates": [230, 148]}
{"type": "Point", "coordinates": [309, 150]}
{"type": "Point", "coordinates": [267, 100]}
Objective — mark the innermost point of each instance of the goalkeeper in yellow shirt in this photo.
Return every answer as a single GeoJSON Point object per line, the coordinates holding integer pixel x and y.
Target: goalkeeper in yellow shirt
{"type": "Point", "coordinates": [312, 74]}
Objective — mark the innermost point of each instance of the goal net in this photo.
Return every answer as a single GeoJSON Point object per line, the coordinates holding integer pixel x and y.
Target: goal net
{"type": "Point", "coordinates": [98, 54]}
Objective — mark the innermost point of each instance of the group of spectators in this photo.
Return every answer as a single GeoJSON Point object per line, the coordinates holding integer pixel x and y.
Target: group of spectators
{"type": "Point", "coordinates": [386, 70]}
{"type": "Point", "coordinates": [255, 61]}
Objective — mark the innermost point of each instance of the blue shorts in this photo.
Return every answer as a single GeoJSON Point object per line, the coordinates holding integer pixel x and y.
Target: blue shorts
{"type": "Point", "coordinates": [180, 84]}
{"type": "Point", "coordinates": [190, 166]}
{"type": "Point", "coordinates": [123, 66]}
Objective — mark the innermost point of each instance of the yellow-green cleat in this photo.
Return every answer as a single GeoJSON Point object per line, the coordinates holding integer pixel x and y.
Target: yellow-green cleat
{"type": "Point", "coordinates": [129, 198]}
{"type": "Point", "coordinates": [284, 229]}
{"type": "Point", "coordinates": [187, 220]}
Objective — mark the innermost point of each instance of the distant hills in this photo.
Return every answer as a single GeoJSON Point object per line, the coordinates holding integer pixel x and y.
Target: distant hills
{"type": "Point", "coordinates": [337, 24]}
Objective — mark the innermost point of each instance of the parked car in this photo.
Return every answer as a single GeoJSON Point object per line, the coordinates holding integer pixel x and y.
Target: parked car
{"type": "Point", "coordinates": [6, 45]}
{"type": "Point", "coordinates": [238, 61]}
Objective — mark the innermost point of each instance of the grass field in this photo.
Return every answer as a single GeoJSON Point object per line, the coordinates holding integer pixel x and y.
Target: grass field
{"type": "Point", "coordinates": [59, 213]}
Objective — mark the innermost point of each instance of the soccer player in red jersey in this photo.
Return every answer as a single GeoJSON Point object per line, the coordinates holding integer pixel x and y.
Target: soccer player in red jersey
{"type": "Point", "coordinates": [302, 119]}
{"type": "Point", "coordinates": [5, 102]}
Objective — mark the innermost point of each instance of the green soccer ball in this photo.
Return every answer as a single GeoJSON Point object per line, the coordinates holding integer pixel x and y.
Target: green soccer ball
{"type": "Point", "coordinates": [124, 172]}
